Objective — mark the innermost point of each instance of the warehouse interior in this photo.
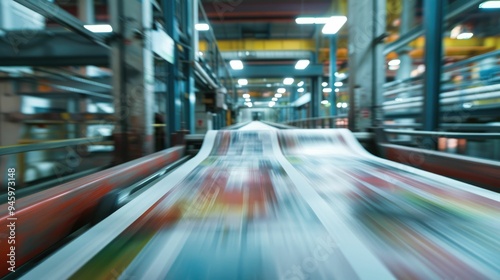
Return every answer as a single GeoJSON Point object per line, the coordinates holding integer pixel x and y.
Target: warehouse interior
{"type": "Point", "coordinates": [250, 139]}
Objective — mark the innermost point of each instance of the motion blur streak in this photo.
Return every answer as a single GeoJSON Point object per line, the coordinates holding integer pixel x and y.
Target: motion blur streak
{"type": "Point", "coordinates": [241, 214]}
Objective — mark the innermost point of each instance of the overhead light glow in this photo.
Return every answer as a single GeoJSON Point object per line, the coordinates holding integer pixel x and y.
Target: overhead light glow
{"type": "Point", "coordinates": [243, 82]}
{"type": "Point", "coordinates": [249, 104]}
{"type": "Point", "coordinates": [288, 81]}
{"type": "Point", "coordinates": [272, 103]}
{"type": "Point", "coordinates": [344, 105]}
{"type": "Point", "coordinates": [248, 100]}
{"type": "Point", "coordinates": [202, 27]}
{"type": "Point", "coordinates": [324, 84]}
{"type": "Point", "coordinates": [312, 20]}
{"type": "Point", "coordinates": [278, 95]}
{"type": "Point", "coordinates": [324, 102]}
{"type": "Point", "coordinates": [339, 84]}
{"type": "Point", "coordinates": [281, 90]}
{"type": "Point", "coordinates": [327, 90]}
{"type": "Point", "coordinates": [236, 64]}
{"type": "Point", "coordinates": [393, 67]}
{"type": "Point", "coordinates": [269, 85]}
{"type": "Point", "coordinates": [301, 90]}
{"type": "Point", "coordinates": [337, 90]}
{"type": "Point", "coordinates": [394, 62]}
{"type": "Point", "coordinates": [334, 24]}
{"type": "Point", "coordinates": [340, 75]}
{"type": "Point", "coordinates": [275, 99]}
{"type": "Point", "coordinates": [301, 83]}
{"type": "Point", "coordinates": [490, 5]}
{"type": "Point", "coordinates": [302, 64]}
{"type": "Point", "coordinates": [99, 28]}
{"type": "Point", "coordinates": [246, 95]}
{"type": "Point", "coordinates": [339, 105]}
{"type": "Point", "coordinates": [465, 35]}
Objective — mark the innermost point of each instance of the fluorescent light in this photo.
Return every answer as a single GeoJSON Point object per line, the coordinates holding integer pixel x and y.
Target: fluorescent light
{"type": "Point", "coordinates": [327, 90]}
{"type": "Point", "coordinates": [275, 99]}
{"type": "Point", "coordinates": [394, 62]}
{"type": "Point", "coordinates": [393, 67]}
{"type": "Point", "coordinates": [288, 81]}
{"type": "Point", "coordinates": [272, 103]}
{"type": "Point", "coordinates": [324, 102]}
{"type": "Point", "coordinates": [490, 5]}
{"type": "Point", "coordinates": [324, 84]}
{"type": "Point", "coordinates": [344, 105]}
{"type": "Point", "coordinates": [269, 85]}
{"type": "Point", "coordinates": [248, 100]}
{"type": "Point", "coordinates": [334, 24]}
{"type": "Point", "coordinates": [99, 28]}
{"type": "Point", "coordinates": [302, 64]}
{"type": "Point", "coordinates": [246, 95]}
{"type": "Point", "coordinates": [301, 90]}
{"type": "Point", "coordinates": [339, 105]}
{"type": "Point", "coordinates": [339, 84]}
{"type": "Point", "coordinates": [281, 90]}
{"type": "Point", "coordinates": [340, 75]}
{"type": "Point", "coordinates": [250, 105]}
{"type": "Point", "coordinates": [465, 36]}
{"type": "Point", "coordinates": [301, 83]}
{"type": "Point", "coordinates": [312, 20]}
{"type": "Point", "coordinates": [337, 90]}
{"type": "Point", "coordinates": [278, 95]}
{"type": "Point", "coordinates": [243, 82]}
{"type": "Point", "coordinates": [202, 27]}
{"type": "Point", "coordinates": [236, 64]}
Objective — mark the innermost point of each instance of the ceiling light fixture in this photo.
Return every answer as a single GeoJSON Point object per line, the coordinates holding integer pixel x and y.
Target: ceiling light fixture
{"type": "Point", "coordinates": [281, 90]}
{"type": "Point", "coordinates": [301, 90]}
{"type": "Point", "coordinates": [465, 35]}
{"type": "Point", "coordinates": [394, 62]}
{"type": "Point", "coordinates": [202, 26]}
{"type": "Point", "coordinates": [302, 64]}
{"type": "Point", "coordinates": [236, 64]}
{"type": "Point", "coordinates": [324, 84]}
{"type": "Point", "coordinates": [339, 84]}
{"type": "Point", "coordinates": [301, 83]}
{"type": "Point", "coordinates": [99, 28]}
{"type": "Point", "coordinates": [334, 24]}
{"type": "Point", "coordinates": [312, 20]}
{"type": "Point", "coordinates": [288, 81]}
{"type": "Point", "coordinates": [490, 5]}
{"type": "Point", "coordinates": [243, 82]}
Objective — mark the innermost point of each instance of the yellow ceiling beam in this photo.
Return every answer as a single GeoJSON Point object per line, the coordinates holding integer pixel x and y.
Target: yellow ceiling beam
{"type": "Point", "coordinates": [263, 45]}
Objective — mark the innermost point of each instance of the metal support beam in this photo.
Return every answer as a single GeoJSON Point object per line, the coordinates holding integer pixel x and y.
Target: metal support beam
{"type": "Point", "coordinates": [277, 71]}
{"type": "Point", "coordinates": [173, 93]}
{"type": "Point", "coordinates": [190, 98]}
{"type": "Point", "coordinates": [316, 96]}
{"type": "Point", "coordinates": [54, 48]}
{"type": "Point", "coordinates": [366, 63]}
{"type": "Point", "coordinates": [333, 70]}
{"type": "Point", "coordinates": [86, 11]}
{"type": "Point", "coordinates": [433, 23]}
{"type": "Point", "coordinates": [133, 79]}
{"type": "Point", "coordinates": [57, 14]}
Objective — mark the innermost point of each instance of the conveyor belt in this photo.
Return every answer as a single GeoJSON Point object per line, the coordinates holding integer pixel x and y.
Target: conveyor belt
{"type": "Point", "coordinates": [294, 204]}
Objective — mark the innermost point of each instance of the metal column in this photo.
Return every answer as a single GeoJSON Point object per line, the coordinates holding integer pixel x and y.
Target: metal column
{"type": "Point", "coordinates": [316, 96]}
{"type": "Point", "coordinates": [366, 20]}
{"type": "Point", "coordinates": [173, 94]}
{"type": "Point", "coordinates": [407, 20]}
{"type": "Point", "coordinates": [333, 70]}
{"type": "Point", "coordinates": [190, 98]}
{"type": "Point", "coordinates": [433, 26]}
{"type": "Point", "coordinates": [133, 79]}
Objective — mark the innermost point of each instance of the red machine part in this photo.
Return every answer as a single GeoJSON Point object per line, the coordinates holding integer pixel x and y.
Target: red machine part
{"type": "Point", "coordinates": [47, 217]}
